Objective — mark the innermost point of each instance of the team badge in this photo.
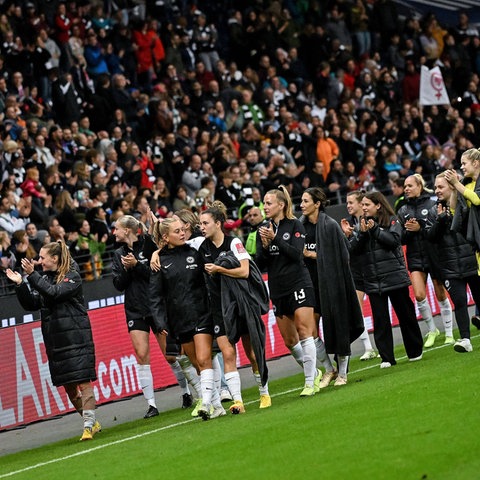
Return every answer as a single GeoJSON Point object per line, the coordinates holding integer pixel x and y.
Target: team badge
{"type": "Point", "coordinates": [424, 211]}
{"type": "Point", "coordinates": [286, 236]}
{"type": "Point", "coordinates": [190, 259]}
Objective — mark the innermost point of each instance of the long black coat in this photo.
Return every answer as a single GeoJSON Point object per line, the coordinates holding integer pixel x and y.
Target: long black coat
{"type": "Point", "coordinates": [341, 313]}
{"type": "Point", "coordinates": [243, 303]}
{"type": "Point", "coordinates": [65, 325]}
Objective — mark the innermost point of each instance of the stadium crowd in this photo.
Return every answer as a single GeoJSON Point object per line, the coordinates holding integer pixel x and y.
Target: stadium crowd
{"type": "Point", "coordinates": [110, 108]}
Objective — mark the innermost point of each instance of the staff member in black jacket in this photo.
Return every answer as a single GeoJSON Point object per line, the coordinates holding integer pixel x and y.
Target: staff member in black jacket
{"type": "Point", "coordinates": [131, 274]}
{"type": "Point", "coordinates": [386, 278]}
{"type": "Point", "coordinates": [280, 247]}
{"type": "Point", "coordinates": [180, 307]}
{"type": "Point", "coordinates": [457, 265]}
{"type": "Point", "coordinates": [413, 217]}
{"type": "Point", "coordinates": [66, 327]}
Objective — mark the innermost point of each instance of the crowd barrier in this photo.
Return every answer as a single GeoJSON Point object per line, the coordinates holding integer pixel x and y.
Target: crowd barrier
{"type": "Point", "coordinates": [26, 392]}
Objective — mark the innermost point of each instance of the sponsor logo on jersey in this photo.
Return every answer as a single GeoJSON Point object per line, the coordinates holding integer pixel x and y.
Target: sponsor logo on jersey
{"type": "Point", "coordinates": [240, 248]}
{"type": "Point", "coordinates": [311, 246]}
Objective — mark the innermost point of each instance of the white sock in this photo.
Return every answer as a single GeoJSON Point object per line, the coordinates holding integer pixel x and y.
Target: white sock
{"type": "Point", "coordinates": [145, 379]}
{"type": "Point", "coordinates": [343, 365]}
{"type": "Point", "coordinates": [88, 418]}
{"type": "Point", "coordinates": [297, 353]}
{"type": "Point", "coordinates": [426, 313]}
{"type": "Point", "coordinates": [258, 379]}
{"type": "Point", "coordinates": [365, 338]}
{"type": "Point", "coordinates": [322, 357]}
{"type": "Point", "coordinates": [190, 374]}
{"type": "Point", "coordinates": [233, 382]}
{"type": "Point", "coordinates": [309, 355]}
{"type": "Point", "coordinates": [447, 317]}
{"type": "Point", "coordinates": [207, 385]}
{"type": "Point", "coordinates": [217, 368]}
{"type": "Point", "coordinates": [178, 372]}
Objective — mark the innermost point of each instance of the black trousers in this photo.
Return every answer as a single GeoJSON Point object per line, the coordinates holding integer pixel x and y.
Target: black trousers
{"type": "Point", "coordinates": [457, 289]}
{"type": "Point", "coordinates": [405, 310]}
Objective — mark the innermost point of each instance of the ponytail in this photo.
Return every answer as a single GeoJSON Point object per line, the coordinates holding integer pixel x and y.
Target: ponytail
{"type": "Point", "coordinates": [282, 195]}
{"type": "Point", "coordinates": [128, 221]}
{"type": "Point", "coordinates": [59, 249]}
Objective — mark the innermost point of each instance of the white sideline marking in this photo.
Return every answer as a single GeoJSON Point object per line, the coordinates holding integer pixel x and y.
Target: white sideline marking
{"type": "Point", "coordinates": [173, 425]}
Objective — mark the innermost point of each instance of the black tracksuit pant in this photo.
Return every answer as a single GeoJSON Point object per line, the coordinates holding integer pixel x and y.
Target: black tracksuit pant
{"type": "Point", "coordinates": [405, 310]}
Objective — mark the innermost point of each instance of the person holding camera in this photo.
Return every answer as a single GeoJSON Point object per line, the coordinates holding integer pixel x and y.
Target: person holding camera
{"type": "Point", "coordinates": [413, 218]}
{"type": "Point", "coordinates": [386, 278]}
{"type": "Point", "coordinates": [456, 262]}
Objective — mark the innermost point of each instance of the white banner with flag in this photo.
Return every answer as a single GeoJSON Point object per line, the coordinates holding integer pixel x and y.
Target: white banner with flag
{"type": "Point", "coordinates": [432, 87]}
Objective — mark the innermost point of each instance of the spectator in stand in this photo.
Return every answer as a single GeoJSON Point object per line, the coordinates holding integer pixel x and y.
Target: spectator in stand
{"type": "Point", "coordinates": [327, 150]}
{"type": "Point", "coordinates": [205, 38]}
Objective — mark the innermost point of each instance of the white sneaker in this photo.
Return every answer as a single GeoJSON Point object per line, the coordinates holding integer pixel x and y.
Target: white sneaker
{"type": "Point", "coordinates": [217, 412]}
{"type": "Point", "coordinates": [463, 345]}
{"type": "Point", "coordinates": [416, 359]}
{"type": "Point", "coordinates": [225, 395]}
{"type": "Point", "coordinates": [368, 355]}
{"type": "Point", "coordinates": [385, 365]}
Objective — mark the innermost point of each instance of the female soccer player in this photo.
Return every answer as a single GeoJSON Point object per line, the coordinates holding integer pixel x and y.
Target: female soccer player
{"type": "Point", "coordinates": [280, 247]}
{"type": "Point", "coordinates": [336, 296]}
{"type": "Point", "coordinates": [413, 217]}
{"type": "Point", "coordinates": [66, 327]}
{"type": "Point", "coordinates": [456, 260]}
{"type": "Point", "coordinates": [351, 227]}
{"type": "Point", "coordinates": [216, 244]}
{"type": "Point", "coordinates": [180, 306]}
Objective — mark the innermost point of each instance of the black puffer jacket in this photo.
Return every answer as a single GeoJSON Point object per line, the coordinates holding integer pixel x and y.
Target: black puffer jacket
{"type": "Point", "coordinates": [178, 294]}
{"type": "Point", "coordinates": [383, 263]}
{"type": "Point", "coordinates": [135, 281]}
{"type": "Point", "coordinates": [418, 258]}
{"type": "Point", "coordinates": [65, 325]}
{"type": "Point", "coordinates": [456, 257]}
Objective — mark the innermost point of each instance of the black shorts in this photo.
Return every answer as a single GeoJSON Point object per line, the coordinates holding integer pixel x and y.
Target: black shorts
{"type": "Point", "coordinates": [218, 325]}
{"type": "Point", "coordinates": [286, 305]}
{"type": "Point", "coordinates": [173, 347]}
{"type": "Point", "coordinates": [145, 324]}
{"type": "Point", "coordinates": [185, 337]}
{"type": "Point", "coordinates": [205, 324]}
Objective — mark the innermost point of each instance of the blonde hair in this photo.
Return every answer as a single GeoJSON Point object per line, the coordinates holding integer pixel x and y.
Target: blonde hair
{"type": "Point", "coordinates": [473, 154]}
{"type": "Point", "coordinates": [128, 221]}
{"type": "Point", "coordinates": [162, 228]}
{"type": "Point", "coordinates": [188, 218]}
{"type": "Point", "coordinates": [60, 250]}
{"type": "Point", "coordinates": [419, 180]}
{"type": "Point", "coordinates": [282, 196]}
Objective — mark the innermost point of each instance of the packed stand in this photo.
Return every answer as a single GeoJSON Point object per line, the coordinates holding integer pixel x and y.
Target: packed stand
{"type": "Point", "coordinates": [110, 109]}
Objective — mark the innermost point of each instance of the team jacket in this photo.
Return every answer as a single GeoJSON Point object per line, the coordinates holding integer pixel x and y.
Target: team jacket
{"type": "Point", "coordinates": [65, 325]}
{"type": "Point", "coordinates": [284, 259]}
{"type": "Point", "coordinates": [456, 257]}
{"type": "Point", "coordinates": [382, 258]}
{"type": "Point", "coordinates": [134, 282]}
{"type": "Point", "coordinates": [178, 296]}
{"type": "Point", "coordinates": [418, 258]}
